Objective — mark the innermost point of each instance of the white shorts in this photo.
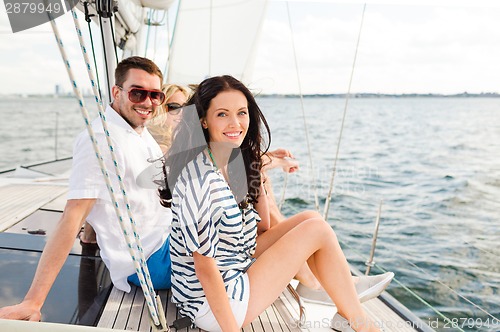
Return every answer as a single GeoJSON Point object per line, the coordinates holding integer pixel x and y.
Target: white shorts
{"type": "Point", "coordinates": [205, 319]}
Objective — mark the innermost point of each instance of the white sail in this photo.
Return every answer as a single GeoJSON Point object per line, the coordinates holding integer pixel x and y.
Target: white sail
{"type": "Point", "coordinates": [215, 37]}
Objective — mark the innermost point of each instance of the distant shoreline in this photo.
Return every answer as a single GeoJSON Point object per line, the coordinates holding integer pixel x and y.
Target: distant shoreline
{"type": "Point", "coordinates": [385, 95]}
{"type": "Point", "coordinates": [332, 95]}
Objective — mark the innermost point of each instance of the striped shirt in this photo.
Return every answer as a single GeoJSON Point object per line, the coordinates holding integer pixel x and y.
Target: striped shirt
{"type": "Point", "coordinates": [207, 220]}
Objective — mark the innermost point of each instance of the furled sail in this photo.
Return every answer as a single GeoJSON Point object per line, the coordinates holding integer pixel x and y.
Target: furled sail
{"type": "Point", "coordinates": [128, 18]}
{"type": "Point", "coordinates": [215, 37]}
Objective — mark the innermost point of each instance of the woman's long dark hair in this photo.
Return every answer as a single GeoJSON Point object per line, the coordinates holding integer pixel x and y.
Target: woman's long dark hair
{"type": "Point", "coordinates": [187, 143]}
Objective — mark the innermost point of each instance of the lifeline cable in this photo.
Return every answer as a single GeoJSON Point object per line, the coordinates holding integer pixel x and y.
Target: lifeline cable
{"type": "Point", "coordinates": [329, 196]}
{"type": "Point", "coordinates": [315, 188]}
{"type": "Point", "coordinates": [418, 297]}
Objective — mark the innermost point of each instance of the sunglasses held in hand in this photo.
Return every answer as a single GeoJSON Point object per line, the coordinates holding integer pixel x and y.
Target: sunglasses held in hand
{"type": "Point", "coordinates": [139, 95]}
{"type": "Point", "coordinates": [174, 108]}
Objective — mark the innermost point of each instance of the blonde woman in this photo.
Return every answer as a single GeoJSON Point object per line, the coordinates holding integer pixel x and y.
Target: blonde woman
{"type": "Point", "coordinates": [161, 127]}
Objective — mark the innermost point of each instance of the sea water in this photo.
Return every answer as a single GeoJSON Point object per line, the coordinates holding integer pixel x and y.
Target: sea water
{"type": "Point", "coordinates": [432, 164]}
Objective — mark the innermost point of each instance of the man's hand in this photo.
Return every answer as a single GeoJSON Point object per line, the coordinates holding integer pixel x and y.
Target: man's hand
{"type": "Point", "coordinates": [21, 311]}
{"type": "Point", "coordinates": [53, 257]}
{"type": "Point", "coordinates": [281, 158]}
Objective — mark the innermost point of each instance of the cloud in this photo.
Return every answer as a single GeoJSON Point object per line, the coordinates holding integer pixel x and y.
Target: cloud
{"type": "Point", "coordinates": [32, 61]}
{"type": "Point", "coordinates": [403, 49]}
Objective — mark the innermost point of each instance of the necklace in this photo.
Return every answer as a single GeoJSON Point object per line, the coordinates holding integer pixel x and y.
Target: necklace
{"type": "Point", "coordinates": [212, 157]}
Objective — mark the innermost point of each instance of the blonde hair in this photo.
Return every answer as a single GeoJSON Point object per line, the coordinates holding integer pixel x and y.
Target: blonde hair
{"type": "Point", "coordinates": [157, 127]}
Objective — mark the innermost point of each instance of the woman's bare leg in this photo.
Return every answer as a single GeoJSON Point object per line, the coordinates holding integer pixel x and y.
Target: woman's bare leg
{"type": "Point", "coordinates": [304, 274]}
{"type": "Point", "coordinates": [273, 234]}
{"type": "Point", "coordinates": [283, 249]}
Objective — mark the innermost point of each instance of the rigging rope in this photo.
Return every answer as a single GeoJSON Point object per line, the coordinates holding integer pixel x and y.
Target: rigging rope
{"type": "Point", "coordinates": [468, 243]}
{"type": "Point", "coordinates": [282, 198]}
{"type": "Point", "coordinates": [155, 43]}
{"type": "Point", "coordinates": [171, 41]}
{"type": "Point", "coordinates": [418, 297]}
{"type": "Point", "coordinates": [140, 265]}
{"type": "Point", "coordinates": [302, 311]}
{"type": "Point", "coordinates": [476, 247]}
{"type": "Point", "coordinates": [168, 45]}
{"type": "Point", "coordinates": [88, 20]}
{"type": "Point", "coordinates": [105, 56]}
{"type": "Point", "coordinates": [154, 20]}
{"type": "Point", "coordinates": [454, 291]}
{"type": "Point", "coordinates": [328, 198]}
{"type": "Point", "coordinates": [147, 33]}
{"type": "Point", "coordinates": [113, 37]}
{"type": "Point", "coordinates": [313, 178]}
{"type": "Point", "coordinates": [157, 24]}
{"type": "Point", "coordinates": [210, 31]}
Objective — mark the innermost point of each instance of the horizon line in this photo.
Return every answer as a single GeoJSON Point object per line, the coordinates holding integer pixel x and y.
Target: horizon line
{"type": "Point", "coordinates": [277, 94]}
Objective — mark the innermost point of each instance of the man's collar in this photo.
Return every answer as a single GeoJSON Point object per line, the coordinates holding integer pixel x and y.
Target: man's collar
{"type": "Point", "coordinates": [114, 117]}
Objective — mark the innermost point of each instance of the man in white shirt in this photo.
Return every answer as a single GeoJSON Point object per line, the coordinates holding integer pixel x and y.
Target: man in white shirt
{"type": "Point", "coordinates": [136, 97]}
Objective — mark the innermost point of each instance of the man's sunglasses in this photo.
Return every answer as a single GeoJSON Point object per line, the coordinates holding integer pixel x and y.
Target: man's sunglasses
{"type": "Point", "coordinates": [173, 108]}
{"type": "Point", "coordinates": [138, 95]}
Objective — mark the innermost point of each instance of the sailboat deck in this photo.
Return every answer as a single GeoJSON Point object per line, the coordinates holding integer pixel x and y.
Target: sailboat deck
{"type": "Point", "coordinates": [18, 201]}
{"type": "Point", "coordinates": [127, 311]}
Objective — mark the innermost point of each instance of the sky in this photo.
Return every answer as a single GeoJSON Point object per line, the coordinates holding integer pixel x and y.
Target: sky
{"type": "Point", "coordinates": [404, 47]}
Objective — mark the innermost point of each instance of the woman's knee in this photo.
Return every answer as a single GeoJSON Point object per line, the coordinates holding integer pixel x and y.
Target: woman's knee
{"type": "Point", "coordinates": [312, 221]}
{"type": "Point", "coordinates": [310, 214]}
{"type": "Point", "coordinates": [319, 227]}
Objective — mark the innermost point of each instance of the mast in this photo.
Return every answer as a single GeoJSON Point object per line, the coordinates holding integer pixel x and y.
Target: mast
{"type": "Point", "coordinates": [105, 12]}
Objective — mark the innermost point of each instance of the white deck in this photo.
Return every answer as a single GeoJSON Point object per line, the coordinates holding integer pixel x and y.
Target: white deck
{"type": "Point", "coordinates": [128, 312]}
{"type": "Point", "coordinates": [17, 201]}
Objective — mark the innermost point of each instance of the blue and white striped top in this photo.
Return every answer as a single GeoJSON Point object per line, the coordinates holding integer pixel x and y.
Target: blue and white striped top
{"type": "Point", "coordinates": [206, 219]}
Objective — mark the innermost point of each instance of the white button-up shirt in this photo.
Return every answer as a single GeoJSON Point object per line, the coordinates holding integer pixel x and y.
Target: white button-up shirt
{"type": "Point", "coordinates": [134, 153]}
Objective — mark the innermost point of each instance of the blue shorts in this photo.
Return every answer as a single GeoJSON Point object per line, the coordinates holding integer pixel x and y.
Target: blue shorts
{"type": "Point", "coordinates": [160, 268]}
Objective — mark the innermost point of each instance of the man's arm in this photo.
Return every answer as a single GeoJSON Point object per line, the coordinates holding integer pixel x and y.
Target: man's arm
{"type": "Point", "coordinates": [275, 215]}
{"type": "Point", "coordinates": [262, 208]}
{"type": "Point", "coordinates": [280, 158]}
{"type": "Point", "coordinates": [53, 257]}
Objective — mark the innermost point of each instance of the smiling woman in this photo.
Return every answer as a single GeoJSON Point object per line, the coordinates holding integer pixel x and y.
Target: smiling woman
{"type": "Point", "coordinates": [227, 119]}
{"type": "Point", "coordinates": [225, 275]}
